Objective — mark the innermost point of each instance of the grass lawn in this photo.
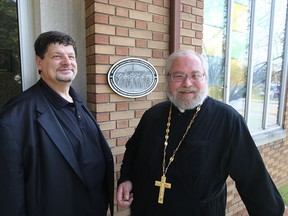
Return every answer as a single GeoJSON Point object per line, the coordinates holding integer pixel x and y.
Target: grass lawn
{"type": "Point", "coordinates": [284, 193]}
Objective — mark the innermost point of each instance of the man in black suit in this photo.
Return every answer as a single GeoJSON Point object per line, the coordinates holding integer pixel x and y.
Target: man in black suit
{"type": "Point", "coordinates": [54, 160]}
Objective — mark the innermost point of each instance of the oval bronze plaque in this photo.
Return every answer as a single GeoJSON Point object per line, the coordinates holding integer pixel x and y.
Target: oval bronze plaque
{"type": "Point", "coordinates": [132, 77]}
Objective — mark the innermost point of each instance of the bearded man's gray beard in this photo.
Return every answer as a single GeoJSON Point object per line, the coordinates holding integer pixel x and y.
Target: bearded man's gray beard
{"type": "Point", "coordinates": [185, 104]}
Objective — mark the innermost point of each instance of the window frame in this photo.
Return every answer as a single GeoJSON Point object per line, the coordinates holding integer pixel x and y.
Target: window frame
{"type": "Point", "coordinates": [26, 39]}
{"type": "Point", "coordinates": [266, 133]}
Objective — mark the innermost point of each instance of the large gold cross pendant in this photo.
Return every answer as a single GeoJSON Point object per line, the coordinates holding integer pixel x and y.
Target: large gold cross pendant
{"type": "Point", "coordinates": [162, 184]}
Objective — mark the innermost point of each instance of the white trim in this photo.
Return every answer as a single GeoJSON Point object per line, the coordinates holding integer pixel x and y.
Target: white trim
{"type": "Point", "coordinates": [26, 40]}
{"type": "Point", "coordinates": [250, 63]}
{"type": "Point", "coordinates": [269, 66]}
{"type": "Point", "coordinates": [269, 136]}
{"type": "Point", "coordinates": [227, 70]}
{"type": "Point", "coordinates": [284, 74]}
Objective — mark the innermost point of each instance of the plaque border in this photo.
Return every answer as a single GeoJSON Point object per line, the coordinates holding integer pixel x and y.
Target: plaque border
{"type": "Point", "coordinates": [115, 69]}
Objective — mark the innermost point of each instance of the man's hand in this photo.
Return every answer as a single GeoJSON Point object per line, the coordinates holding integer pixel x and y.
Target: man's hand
{"type": "Point", "coordinates": [124, 195]}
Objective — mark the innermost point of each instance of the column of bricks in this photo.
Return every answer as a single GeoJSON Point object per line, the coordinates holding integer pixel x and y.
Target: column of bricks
{"type": "Point", "coordinates": [117, 29]}
{"type": "Point", "coordinates": [191, 33]}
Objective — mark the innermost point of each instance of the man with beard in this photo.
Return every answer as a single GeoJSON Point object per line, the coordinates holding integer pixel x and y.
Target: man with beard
{"type": "Point", "coordinates": [177, 161]}
{"type": "Point", "coordinates": [54, 160]}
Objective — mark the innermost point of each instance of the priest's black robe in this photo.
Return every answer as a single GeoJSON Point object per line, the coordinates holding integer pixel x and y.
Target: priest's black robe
{"type": "Point", "coordinates": [218, 145]}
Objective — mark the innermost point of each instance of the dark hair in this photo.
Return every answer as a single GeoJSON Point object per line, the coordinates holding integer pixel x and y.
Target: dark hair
{"type": "Point", "coordinates": [45, 39]}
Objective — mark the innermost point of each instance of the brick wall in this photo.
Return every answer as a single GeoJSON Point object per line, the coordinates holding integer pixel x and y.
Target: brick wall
{"type": "Point", "coordinates": [275, 156]}
{"type": "Point", "coordinates": [191, 25]}
{"type": "Point", "coordinates": [116, 29]}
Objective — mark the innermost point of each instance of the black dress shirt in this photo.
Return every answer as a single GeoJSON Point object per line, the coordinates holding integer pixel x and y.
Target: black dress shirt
{"type": "Point", "coordinates": [83, 136]}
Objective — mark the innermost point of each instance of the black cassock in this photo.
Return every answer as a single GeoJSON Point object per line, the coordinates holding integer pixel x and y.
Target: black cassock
{"type": "Point", "coordinates": [217, 145]}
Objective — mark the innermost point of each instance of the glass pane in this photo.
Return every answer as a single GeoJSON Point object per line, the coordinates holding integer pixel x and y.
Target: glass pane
{"type": "Point", "coordinates": [277, 61]}
{"type": "Point", "coordinates": [214, 41]}
{"type": "Point", "coordinates": [259, 59]}
{"type": "Point", "coordinates": [10, 71]}
{"type": "Point", "coordinates": [239, 54]}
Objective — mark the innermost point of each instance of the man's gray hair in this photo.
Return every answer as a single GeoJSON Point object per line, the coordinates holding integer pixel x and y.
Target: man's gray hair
{"type": "Point", "coordinates": [189, 53]}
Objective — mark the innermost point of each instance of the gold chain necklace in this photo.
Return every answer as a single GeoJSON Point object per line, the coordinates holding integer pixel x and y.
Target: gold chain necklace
{"type": "Point", "coordinates": [163, 184]}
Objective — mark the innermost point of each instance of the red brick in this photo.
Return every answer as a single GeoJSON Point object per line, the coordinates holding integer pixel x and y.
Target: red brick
{"type": "Point", "coordinates": [141, 6]}
{"type": "Point", "coordinates": [101, 59]}
{"type": "Point", "coordinates": [186, 24]}
{"type": "Point", "coordinates": [101, 39]}
{"type": "Point", "coordinates": [121, 106]}
{"type": "Point", "coordinates": [200, 4]}
{"type": "Point", "coordinates": [90, 40]}
{"type": "Point", "coordinates": [91, 97]}
{"type": "Point", "coordinates": [199, 35]}
{"type": "Point", "coordinates": [121, 141]}
{"type": "Point", "coordinates": [102, 98]}
{"type": "Point", "coordinates": [122, 124]}
{"type": "Point", "coordinates": [156, 53]}
{"type": "Point", "coordinates": [122, 51]}
{"type": "Point", "coordinates": [187, 9]}
{"type": "Point", "coordinates": [139, 113]}
{"type": "Point", "coordinates": [141, 43]}
{"type": "Point", "coordinates": [119, 158]}
{"type": "Point", "coordinates": [141, 24]}
{"type": "Point", "coordinates": [157, 36]}
{"type": "Point", "coordinates": [101, 117]}
{"type": "Point", "coordinates": [106, 134]}
{"type": "Point", "coordinates": [100, 79]}
{"type": "Point", "coordinates": [101, 18]}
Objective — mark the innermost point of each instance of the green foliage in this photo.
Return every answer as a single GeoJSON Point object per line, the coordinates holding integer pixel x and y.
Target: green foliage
{"type": "Point", "coordinates": [284, 193]}
{"type": "Point", "coordinates": [9, 25]}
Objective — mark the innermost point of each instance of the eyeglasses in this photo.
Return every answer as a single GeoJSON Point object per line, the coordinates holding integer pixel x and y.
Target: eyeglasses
{"type": "Point", "coordinates": [180, 77]}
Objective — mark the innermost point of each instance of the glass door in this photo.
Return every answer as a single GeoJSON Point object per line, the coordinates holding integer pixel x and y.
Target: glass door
{"type": "Point", "coordinates": [10, 67]}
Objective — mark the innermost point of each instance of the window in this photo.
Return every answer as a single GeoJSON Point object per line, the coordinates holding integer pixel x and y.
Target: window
{"type": "Point", "coordinates": [18, 69]}
{"type": "Point", "coordinates": [10, 70]}
{"type": "Point", "coordinates": [244, 44]}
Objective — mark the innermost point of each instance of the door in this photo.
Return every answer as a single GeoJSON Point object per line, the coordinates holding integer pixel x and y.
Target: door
{"type": "Point", "coordinates": [10, 67]}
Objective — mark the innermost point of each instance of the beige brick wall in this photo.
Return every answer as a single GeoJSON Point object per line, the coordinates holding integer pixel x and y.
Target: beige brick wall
{"type": "Point", "coordinates": [275, 157]}
{"type": "Point", "coordinates": [116, 29]}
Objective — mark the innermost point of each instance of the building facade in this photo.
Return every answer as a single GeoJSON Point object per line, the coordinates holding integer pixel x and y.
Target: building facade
{"type": "Point", "coordinates": [108, 31]}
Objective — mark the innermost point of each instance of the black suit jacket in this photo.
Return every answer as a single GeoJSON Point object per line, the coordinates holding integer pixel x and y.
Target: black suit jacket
{"type": "Point", "coordinates": [39, 173]}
